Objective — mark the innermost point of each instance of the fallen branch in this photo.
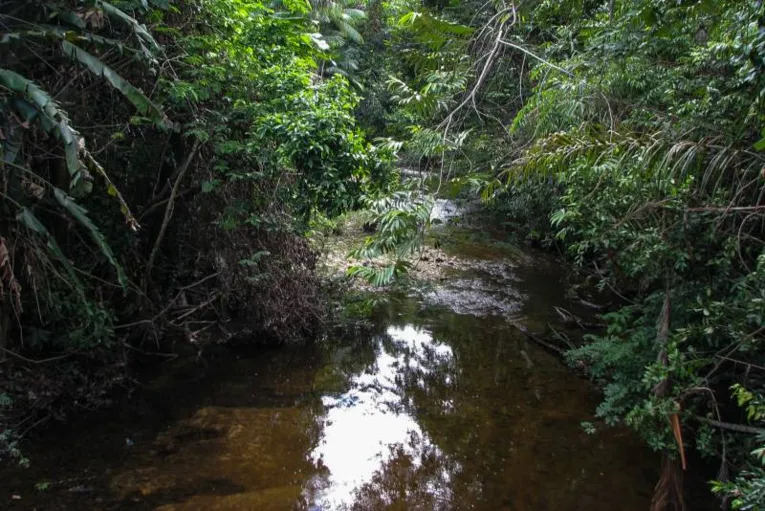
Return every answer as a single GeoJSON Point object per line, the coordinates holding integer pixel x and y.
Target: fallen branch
{"type": "Point", "coordinates": [171, 356]}
{"type": "Point", "coordinates": [725, 209]}
{"type": "Point", "coordinates": [561, 336]}
{"type": "Point", "coordinates": [557, 349]}
{"type": "Point", "coordinates": [568, 317]}
{"type": "Point", "coordinates": [195, 309]}
{"type": "Point", "coordinates": [590, 305]}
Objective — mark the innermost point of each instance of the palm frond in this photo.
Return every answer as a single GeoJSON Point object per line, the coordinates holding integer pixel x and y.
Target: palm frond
{"type": "Point", "coordinates": [81, 215]}
{"type": "Point", "coordinates": [27, 219]}
{"type": "Point", "coordinates": [35, 103]}
{"type": "Point", "coordinates": [146, 41]}
{"type": "Point", "coordinates": [143, 104]}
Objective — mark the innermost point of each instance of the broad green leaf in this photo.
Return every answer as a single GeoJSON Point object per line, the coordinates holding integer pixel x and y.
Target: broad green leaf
{"type": "Point", "coordinates": [81, 215]}
{"type": "Point", "coordinates": [54, 121]}
{"type": "Point", "coordinates": [29, 220]}
{"type": "Point", "coordinates": [143, 104]}
{"type": "Point", "coordinates": [62, 34]}
{"type": "Point", "coordinates": [148, 44]}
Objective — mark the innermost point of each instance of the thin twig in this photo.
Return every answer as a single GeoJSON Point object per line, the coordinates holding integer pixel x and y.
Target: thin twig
{"type": "Point", "coordinates": [739, 428]}
{"type": "Point", "coordinates": [535, 56]}
{"type": "Point", "coordinates": [32, 361]}
{"type": "Point", "coordinates": [736, 361]}
{"type": "Point", "coordinates": [200, 306]}
{"type": "Point", "coordinates": [169, 210]}
{"type": "Point", "coordinates": [725, 209]}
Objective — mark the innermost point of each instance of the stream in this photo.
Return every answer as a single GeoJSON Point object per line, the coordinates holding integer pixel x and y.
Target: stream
{"type": "Point", "coordinates": [443, 405]}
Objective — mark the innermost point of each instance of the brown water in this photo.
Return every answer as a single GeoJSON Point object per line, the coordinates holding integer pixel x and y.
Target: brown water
{"type": "Point", "coordinates": [445, 406]}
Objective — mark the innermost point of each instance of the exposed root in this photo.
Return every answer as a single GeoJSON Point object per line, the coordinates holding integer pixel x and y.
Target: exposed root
{"type": "Point", "coordinates": [668, 494]}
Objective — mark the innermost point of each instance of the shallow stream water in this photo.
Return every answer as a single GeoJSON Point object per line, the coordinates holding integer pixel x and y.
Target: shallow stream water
{"type": "Point", "coordinates": [445, 405]}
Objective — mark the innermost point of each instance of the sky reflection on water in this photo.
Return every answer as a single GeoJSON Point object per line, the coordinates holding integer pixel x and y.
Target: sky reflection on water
{"type": "Point", "coordinates": [369, 424]}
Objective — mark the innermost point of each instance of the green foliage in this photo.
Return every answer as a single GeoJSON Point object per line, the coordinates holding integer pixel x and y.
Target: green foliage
{"type": "Point", "coordinates": [9, 447]}
{"type": "Point", "coordinates": [629, 134]}
{"type": "Point", "coordinates": [337, 19]}
{"type": "Point", "coordinates": [649, 137]}
{"type": "Point", "coordinates": [26, 109]}
{"type": "Point", "coordinates": [215, 121]}
{"type": "Point", "coordinates": [401, 219]}
{"type": "Point", "coordinates": [298, 136]}
{"type": "Point", "coordinates": [142, 104]}
{"type": "Point", "coordinates": [81, 215]}
{"type": "Point", "coordinates": [747, 491]}
{"type": "Point", "coordinates": [520, 203]}
{"type": "Point", "coordinates": [589, 427]}
{"type": "Point", "coordinates": [318, 141]}
{"type": "Point", "coordinates": [619, 365]}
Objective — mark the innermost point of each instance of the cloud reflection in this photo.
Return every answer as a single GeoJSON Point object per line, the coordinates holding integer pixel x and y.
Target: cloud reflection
{"type": "Point", "coordinates": [369, 428]}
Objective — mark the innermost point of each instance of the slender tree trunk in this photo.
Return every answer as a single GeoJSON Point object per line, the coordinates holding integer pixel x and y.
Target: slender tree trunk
{"type": "Point", "coordinates": [5, 321]}
{"type": "Point", "coordinates": [668, 494]}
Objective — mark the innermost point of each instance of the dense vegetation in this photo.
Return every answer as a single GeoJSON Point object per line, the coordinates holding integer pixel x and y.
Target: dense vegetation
{"type": "Point", "coordinates": [162, 163]}
{"type": "Point", "coordinates": [628, 135]}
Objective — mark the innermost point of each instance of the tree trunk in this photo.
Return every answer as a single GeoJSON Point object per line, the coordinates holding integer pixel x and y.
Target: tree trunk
{"type": "Point", "coordinates": [5, 322]}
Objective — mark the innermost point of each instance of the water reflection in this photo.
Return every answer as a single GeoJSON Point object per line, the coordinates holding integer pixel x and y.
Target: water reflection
{"type": "Point", "coordinates": [445, 407]}
{"type": "Point", "coordinates": [370, 425]}
{"type": "Point", "coordinates": [460, 412]}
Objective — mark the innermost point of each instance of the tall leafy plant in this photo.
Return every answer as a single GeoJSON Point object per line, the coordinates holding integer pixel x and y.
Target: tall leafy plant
{"type": "Point", "coordinates": [27, 110]}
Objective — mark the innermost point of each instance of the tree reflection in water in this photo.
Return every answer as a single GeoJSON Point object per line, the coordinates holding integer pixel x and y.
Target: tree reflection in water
{"type": "Point", "coordinates": [451, 416]}
{"type": "Point", "coordinates": [370, 424]}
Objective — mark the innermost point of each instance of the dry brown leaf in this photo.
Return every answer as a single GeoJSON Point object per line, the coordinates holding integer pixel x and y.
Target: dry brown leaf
{"type": "Point", "coordinates": [674, 419]}
{"type": "Point", "coordinates": [33, 189]}
{"type": "Point", "coordinates": [95, 18]}
{"type": "Point", "coordinates": [8, 278]}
